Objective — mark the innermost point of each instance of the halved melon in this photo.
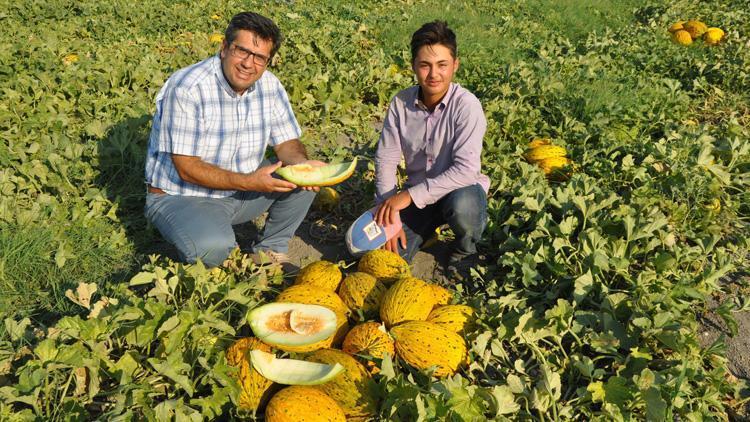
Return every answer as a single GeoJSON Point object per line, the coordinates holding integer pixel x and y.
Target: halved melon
{"type": "Point", "coordinates": [307, 175]}
{"type": "Point", "coordinates": [292, 324]}
{"type": "Point", "coordinates": [292, 371]}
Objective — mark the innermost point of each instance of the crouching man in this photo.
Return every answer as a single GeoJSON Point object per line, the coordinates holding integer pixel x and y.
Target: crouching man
{"type": "Point", "coordinates": [437, 127]}
{"type": "Point", "coordinates": [205, 169]}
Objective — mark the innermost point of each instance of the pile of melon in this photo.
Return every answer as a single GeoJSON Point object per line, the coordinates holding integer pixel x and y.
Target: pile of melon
{"type": "Point", "coordinates": [685, 32]}
{"type": "Point", "coordinates": [341, 327]}
{"type": "Point", "coordinates": [552, 159]}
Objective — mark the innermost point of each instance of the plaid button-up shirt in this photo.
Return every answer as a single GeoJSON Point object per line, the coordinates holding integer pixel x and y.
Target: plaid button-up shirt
{"type": "Point", "coordinates": [198, 114]}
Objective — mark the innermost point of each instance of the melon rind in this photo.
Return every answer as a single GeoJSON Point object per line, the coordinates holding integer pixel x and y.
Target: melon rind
{"type": "Point", "coordinates": [308, 175]}
{"type": "Point", "coordinates": [258, 319]}
{"type": "Point", "coordinates": [293, 371]}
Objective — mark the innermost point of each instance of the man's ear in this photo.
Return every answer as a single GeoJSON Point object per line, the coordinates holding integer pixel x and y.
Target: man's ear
{"type": "Point", "coordinates": [223, 50]}
{"type": "Point", "coordinates": [455, 64]}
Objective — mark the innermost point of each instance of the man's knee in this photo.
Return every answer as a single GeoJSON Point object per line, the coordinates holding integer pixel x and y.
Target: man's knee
{"type": "Point", "coordinates": [212, 251]}
{"type": "Point", "coordinates": [466, 208]}
{"type": "Point", "coordinates": [304, 196]}
{"type": "Point", "coordinates": [298, 200]}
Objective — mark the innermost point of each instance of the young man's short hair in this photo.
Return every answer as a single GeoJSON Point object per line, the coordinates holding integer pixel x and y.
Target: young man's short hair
{"type": "Point", "coordinates": [261, 25]}
{"type": "Point", "coordinates": [431, 33]}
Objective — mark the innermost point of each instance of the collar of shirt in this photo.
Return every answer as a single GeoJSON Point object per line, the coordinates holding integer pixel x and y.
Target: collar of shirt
{"type": "Point", "coordinates": [443, 102]}
{"type": "Point", "coordinates": [219, 72]}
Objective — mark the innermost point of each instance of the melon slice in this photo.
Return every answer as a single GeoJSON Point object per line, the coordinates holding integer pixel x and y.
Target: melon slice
{"type": "Point", "coordinates": [307, 175]}
{"type": "Point", "coordinates": [292, 324]}
{"type": "Point", "coordinates": [292, 371]}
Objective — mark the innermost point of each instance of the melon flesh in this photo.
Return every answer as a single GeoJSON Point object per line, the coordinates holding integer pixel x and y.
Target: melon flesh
{"type": "Point", "coordinates": [307, 175]}
{"type": "Point", "coordinates": [292, 324]}
{"type": "Point", "coordinates": [292, 371]}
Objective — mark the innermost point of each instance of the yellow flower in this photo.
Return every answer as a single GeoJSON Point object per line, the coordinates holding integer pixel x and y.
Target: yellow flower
{"type": "Point", "coordinates": [216, 38]}
{"type": "Point", "coordinates": [713, 205]}
{"type": "Point", "coordinates": [70, 59]}
{"type": "Point", "coordinates": [215, 17]}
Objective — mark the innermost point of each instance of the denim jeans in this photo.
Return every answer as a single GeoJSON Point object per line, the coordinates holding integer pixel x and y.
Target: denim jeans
{"type": "Point", "coordinates": [464, 210]}
{"type": "Point", "coordinates": [202, 227]}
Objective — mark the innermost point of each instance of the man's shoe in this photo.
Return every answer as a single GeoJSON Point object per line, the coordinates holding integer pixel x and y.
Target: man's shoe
{"type": "Point", "coordinates": [269, 257]}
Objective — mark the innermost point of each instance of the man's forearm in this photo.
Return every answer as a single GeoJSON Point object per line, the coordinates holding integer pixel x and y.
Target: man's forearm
{"type": "Point", "coordinates": [291, 152]}
{"type": "Point", "coordinates": [198, 172]}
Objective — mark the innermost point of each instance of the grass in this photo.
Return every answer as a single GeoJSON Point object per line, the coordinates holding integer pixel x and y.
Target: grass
{"type": "Point", "coordinates": [34, 285]}
{"type": "Point", "coordinates": [577, 19]}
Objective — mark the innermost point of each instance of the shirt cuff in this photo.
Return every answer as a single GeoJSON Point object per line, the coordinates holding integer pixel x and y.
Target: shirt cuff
{"type": "Point", "coordinates": [419, 195]}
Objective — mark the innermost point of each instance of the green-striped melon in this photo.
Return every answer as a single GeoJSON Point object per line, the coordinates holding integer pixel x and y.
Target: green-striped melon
{"type": "Point", "coordinates": [362, 292]}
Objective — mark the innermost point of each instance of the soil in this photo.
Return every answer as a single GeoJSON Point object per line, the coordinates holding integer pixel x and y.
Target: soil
{"type": "Point", "coordinates": [713, 328]}
{"type": "Point", "coordinates": [317, 239]}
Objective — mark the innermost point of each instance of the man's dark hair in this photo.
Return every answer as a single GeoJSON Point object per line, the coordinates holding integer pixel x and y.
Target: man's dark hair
{"type": "Point", "coordinates": [261, 25]}
{"type": "Point", "coordinates": [432, 33]}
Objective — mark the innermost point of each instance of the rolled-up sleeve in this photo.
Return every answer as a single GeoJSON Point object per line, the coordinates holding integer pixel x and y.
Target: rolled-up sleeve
{"type": "Point", "coordinates": [466, 157]}
{"type": "Point", "coordinates": [388, 155]}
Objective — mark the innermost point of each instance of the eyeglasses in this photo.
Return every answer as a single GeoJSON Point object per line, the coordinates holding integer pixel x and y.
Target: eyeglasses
{"type": "Point", "coordinates": [243, 53]}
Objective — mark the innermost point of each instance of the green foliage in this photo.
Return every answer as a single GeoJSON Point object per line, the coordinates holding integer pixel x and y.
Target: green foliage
{"type": "Point", "coordinates": [154, 353]}
{"type": "Point", "coordinates": [587, 309]}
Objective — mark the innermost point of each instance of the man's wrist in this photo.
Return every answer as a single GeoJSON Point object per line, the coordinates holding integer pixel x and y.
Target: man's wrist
{"type": "Point", "coordinates": [407, 196]}
{"type": "Point", "coordinates": [245, 181]}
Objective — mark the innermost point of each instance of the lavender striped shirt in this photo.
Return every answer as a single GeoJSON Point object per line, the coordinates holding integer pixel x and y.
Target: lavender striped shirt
{"type": "Point", "coordinates": [441, 148]}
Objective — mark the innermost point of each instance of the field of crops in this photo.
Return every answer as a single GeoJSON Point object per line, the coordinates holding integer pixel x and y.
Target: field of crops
{"type": "Point", "coordinates": [587, 305]}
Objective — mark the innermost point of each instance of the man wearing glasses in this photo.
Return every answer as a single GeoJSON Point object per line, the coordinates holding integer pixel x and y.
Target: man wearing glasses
{"type": "Point", "coordinates": [205, 168]}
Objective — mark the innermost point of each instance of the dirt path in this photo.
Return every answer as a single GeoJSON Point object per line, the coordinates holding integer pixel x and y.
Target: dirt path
{"type": "Point", "coordinates": [713, 327]}
{"type": "Point", "coordinates": [306, 247]}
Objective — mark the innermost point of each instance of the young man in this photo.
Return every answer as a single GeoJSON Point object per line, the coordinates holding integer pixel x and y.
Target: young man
{"type": "Point", "coordinates": [437, 127]}
{"type": "Point", "coordinates": [205, 169]}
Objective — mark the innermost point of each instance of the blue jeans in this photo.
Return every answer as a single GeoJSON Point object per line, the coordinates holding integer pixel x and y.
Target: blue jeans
{"type": "Point", "coordinates": [202, 227]}
{"type": "Point", "coordinates": [464, 210]}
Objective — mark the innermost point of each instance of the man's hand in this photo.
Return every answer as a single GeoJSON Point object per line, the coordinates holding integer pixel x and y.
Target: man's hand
{"type": "Point", "coordinates": [392, 243]}
{"type": "Point", "coordinates": [262, 180]}
{"type": "Point", "coordinates": [388, 211]}
{"type": "Point", "coordinates": [388, 214]}
{"type": "Point", "coordinates": [314, 163]}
